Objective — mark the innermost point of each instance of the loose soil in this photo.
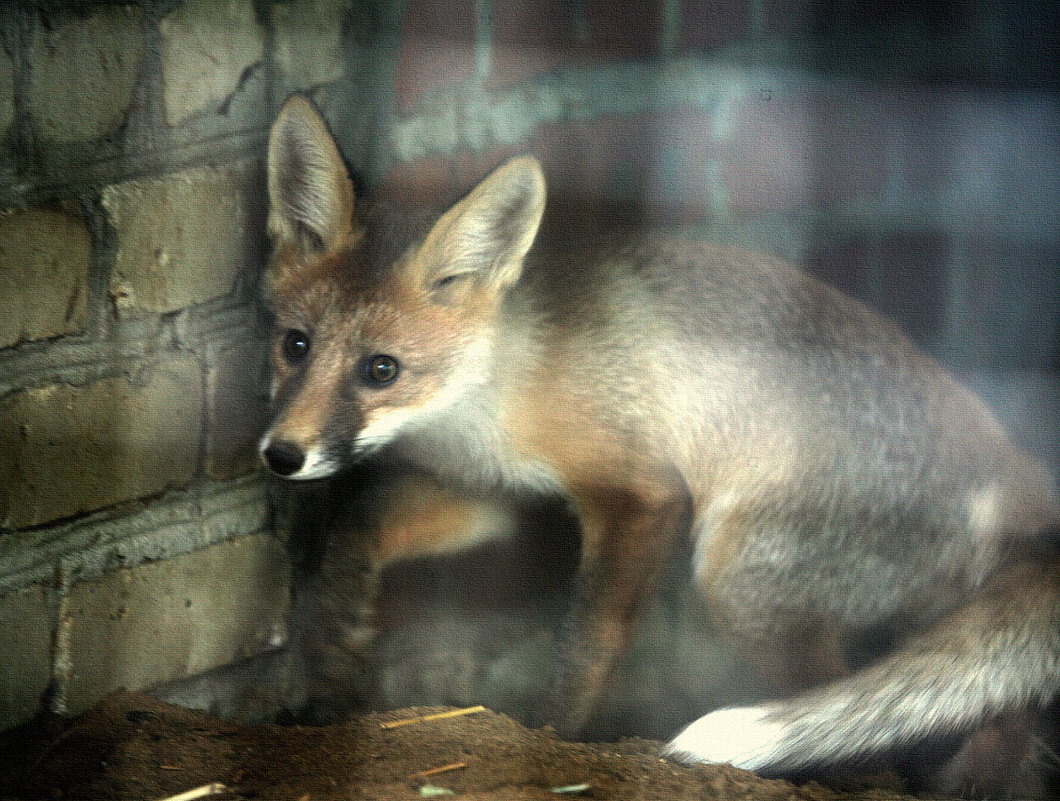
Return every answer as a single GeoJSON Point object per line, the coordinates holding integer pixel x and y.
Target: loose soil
{"type": "Point", "coordinates": [133, 747]}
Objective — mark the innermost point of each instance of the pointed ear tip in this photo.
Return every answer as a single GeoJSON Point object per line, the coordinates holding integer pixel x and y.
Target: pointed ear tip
{"type": "Point", "coordinates": [296, 102]}
{"type": "Point", "coordinates": [527, 163]}
{"type": "Point", "coordinates": [295, 110]}
{"type": "Point", "coordinates": [528, 169]}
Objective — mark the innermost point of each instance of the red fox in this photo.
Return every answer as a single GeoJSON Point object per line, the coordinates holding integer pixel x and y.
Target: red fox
{"type": "Point", "coordinates": [830, 476]}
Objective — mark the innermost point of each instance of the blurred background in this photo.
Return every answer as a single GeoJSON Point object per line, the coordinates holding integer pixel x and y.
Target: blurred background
{"type": "Point", "coordinates": [904, 151]}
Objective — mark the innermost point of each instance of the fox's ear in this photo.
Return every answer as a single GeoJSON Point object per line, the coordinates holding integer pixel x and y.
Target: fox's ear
{"type": "Point", "coordinates": [486, 235]}
{"type": "Point", "coordinates": [310, 192]}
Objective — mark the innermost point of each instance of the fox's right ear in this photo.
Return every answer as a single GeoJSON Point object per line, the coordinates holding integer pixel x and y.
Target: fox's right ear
{"type": "Point", "coordinates": [310, 192]}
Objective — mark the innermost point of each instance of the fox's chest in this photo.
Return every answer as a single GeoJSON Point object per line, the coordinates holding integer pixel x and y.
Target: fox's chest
{"type": "Point", "coordinates": [468, 447]}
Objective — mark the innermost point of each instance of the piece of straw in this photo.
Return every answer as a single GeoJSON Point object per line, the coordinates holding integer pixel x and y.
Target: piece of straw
{"type": "Point", "coordinates": [452, 713]}
{"type": "Point", "coordinates": [216, 788]}
{"type": "Point", "coordinates": [435, 771]}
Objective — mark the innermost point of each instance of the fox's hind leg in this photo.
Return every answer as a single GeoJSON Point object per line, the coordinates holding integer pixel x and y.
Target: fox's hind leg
{"type": "Point", "coordinates": [796, 658]}
{"type": "Point", "coordinates": [1011, 756]}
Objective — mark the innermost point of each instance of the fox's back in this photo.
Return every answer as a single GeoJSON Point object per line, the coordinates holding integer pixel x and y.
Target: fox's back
{"type": "Point", "coordinates": [766, 384]}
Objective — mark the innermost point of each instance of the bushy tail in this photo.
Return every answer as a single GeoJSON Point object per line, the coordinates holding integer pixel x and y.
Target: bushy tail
{"type": "Point", "coordinates": [998, 653]}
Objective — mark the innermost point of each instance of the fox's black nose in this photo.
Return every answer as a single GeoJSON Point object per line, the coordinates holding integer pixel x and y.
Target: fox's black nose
{"type": "Point", "coordinates": [284, 458]}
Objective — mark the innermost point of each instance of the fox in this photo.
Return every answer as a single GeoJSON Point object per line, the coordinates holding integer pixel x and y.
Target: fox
{"type": "Point", "coordinates": [829, 475]}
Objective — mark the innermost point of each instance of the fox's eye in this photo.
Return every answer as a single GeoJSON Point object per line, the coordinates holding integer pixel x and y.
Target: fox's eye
{"type": "Point", "coordinates": [295, 345]}
{"type": "Point", "coordinates": [380, 369]}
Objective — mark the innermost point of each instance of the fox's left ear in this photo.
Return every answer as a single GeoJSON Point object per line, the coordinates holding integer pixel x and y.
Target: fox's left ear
{"type": "Point", "coordinates": [486, 235]}
{"type": "Point", "coordinates": [310, 192]}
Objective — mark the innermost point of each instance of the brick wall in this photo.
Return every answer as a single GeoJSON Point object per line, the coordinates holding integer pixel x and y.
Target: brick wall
{"type": "Point", "coordinates": [905, 151]}
{"type": "Point", "coordinates": [135, 543]}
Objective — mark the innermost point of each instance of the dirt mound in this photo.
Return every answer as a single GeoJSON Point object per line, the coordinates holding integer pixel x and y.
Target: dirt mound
{"type": "Point", "coordinates": [134, 748]}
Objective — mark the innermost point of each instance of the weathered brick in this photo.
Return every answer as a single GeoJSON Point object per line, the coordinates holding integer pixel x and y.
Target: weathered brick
{"type": "Point", "coordinates": [182, 239]}
{"type": "Point", "coordinates": [174, 618]}
{"type": "Point", "coordinates": [422, 182]}
{"type": "Point", "coordinates": [237, 409]}
{"type": "Point", "coordinates": [1010, 301]}
{"type": "Point", "coordinates": [576, 181]}
{"type": "Point", "coordinates": [25, 642]}
{"type": "Point", "coordinates": [308, 43]}
{"type": "Point", "coordinates": [618, 169]}
{"type": "Point", "coordinates": [677, 188]}
{"type": "Point", "coordinates": [84, 70]}
{"type": "Point", "coordinates": [847, 264]}
{"type": "Point", "coordinates": [980, 152]}
{"type": "Point", "coordinates": [437, 48]}
{"type": "Point", "coordinates": [44, 266]}
{"type": "Point", "coordinates": [798, 150]}
{"type": "Point", "coordinates": [70, 449]}
{"type": "Point", "coordinates": [709, 25]}
{"type": "Point", "coordinates": [206, 48]}
{"type": "Point", "coordinates": [782, 18]}
{"type": "Point", "coordinates": [625, 28]}
{"type": "Point", "coordinates": [914, 281]}
{"type": "Point", "coordinates": [7, 90]}
{"type": "Point", "coordinates": [529, 38]}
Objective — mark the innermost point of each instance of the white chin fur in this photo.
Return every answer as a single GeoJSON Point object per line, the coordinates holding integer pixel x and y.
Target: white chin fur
{"type": "Point", "coordinates": [316, 466]}
{"type": "Point", "coordinates": [739, 736]}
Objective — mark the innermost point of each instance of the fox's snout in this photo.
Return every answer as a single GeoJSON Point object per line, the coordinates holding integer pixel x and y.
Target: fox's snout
{"type": "Point", "coordinates": [282, 457]}
{"type": "Point", "coordinates": [289, 459]}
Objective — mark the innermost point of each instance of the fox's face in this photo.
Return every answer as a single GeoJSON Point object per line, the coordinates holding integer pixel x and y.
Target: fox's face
{"type": "Point", "coordinates": [372, 337]}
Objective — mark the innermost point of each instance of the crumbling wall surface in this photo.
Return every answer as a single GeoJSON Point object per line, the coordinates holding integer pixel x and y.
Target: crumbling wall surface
{"type": "Point", "coordinates": [135, 545]}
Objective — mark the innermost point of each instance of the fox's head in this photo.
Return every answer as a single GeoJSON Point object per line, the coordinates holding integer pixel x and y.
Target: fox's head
{"type": "Point", "coordinates": [372, 334]}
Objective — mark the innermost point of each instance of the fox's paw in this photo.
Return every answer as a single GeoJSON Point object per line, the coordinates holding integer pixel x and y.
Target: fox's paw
{"type": "Point", "coordinates": [741, 736]}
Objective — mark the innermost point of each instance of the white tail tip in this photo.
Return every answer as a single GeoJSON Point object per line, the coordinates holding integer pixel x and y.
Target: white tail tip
{"type": "Point", "coordinates": [739, 736]}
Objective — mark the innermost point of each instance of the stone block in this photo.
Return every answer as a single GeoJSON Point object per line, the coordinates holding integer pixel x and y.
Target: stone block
{"type": "Point", "coordinates": [174, 618]}
{"type": "Point", "coordinates": [44, 265]}
{"type": "Point", "coordinates": [705, 26]}
{"type": "Point", "coordinates": [438, 49]}
{"type": "Point", "coordinates": [530, 38]}
{"type": "Point", "coordinates": [625, 28]}
{"type": "Point", "coordinates": [71, 449]}
{"type": "Point", "coordinates": [182, 239]}
{"type": "Point", "coordinates": [237, 410]}
{"type": "Point", "coordinates": [25, 642]}
{"type": "Point", "coordinates": [914, 281]}
{"type": "Point", "coordinates": [847, 264]}
{"type": "Point", "coordinates": [790, 150]}
{"type": "Point", "coordinates": [7, 90]}
{"type": "Point", "coordinates": [308, 46]}
{"type": "Point", "coordinates": [84, 71]}
{"type": "Point", "coordinates": [207, 47]}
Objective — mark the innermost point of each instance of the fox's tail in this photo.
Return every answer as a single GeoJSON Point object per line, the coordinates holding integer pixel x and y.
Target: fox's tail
{"type": "Point", "coordinates": [1001, 652]}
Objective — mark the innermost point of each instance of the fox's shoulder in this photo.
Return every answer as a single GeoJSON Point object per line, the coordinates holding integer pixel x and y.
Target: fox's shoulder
{"type": "Point", "coordinates": [660, 261]}
{"type": "Point", "coordinates": [677, 277]}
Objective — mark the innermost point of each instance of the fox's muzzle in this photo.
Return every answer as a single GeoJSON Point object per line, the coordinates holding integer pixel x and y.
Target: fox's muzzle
{"type": "Point", "coordinates": [283, 458]}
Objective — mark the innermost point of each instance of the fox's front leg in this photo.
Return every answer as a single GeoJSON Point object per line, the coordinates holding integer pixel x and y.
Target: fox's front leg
{"type": "Point", "coordinates": [627, 536]}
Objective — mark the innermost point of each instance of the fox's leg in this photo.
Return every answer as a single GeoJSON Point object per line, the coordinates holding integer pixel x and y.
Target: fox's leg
{"type": "Point", "coordinates": [377, 522]}
{"type": "Point", "coordinates": [1008, 757]}
{"type": "Point", "coordinates": [627, 535]}
{"type": "Point", "coordinates": [332, 618]}
{"type": "Point", "coordinates": [795, 658]}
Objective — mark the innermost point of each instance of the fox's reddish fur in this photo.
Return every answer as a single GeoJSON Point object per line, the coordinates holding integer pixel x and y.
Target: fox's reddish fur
{"type": "Point", "coordinates": [830, 475]}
